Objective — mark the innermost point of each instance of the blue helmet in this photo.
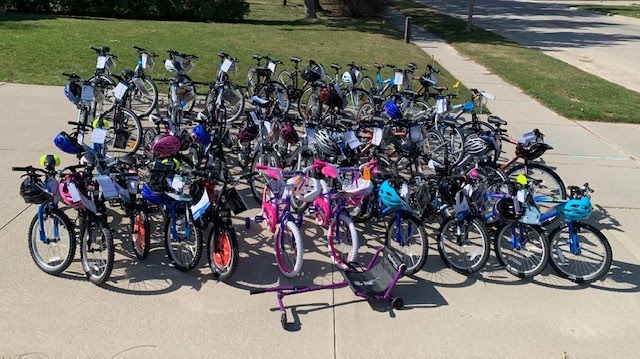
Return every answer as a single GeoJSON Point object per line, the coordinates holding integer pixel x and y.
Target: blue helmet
{"type": "Point", "coordinates": [576, 209]}
{"type": "Point", "coordinates": [201, 135]}
{"type": "Point", "coordinates": [154, 197]}
{"type": "Point", "coordinates": [389, 197]}
{"type": "Point", "coordinates": [392, 110]}
{"type": "Point", "coordinates": [67, 144]}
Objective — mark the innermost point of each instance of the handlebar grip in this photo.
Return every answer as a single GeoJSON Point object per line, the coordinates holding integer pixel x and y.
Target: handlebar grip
{"type": "Point", "coordinates": [22, 169]}
{"type": "Point", "coordinates": [262, 167]}
{"type": "Point", "coordinates": [257, 291]}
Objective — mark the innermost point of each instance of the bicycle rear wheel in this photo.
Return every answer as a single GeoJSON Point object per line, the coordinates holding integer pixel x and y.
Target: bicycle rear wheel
{"type": "Point", "coordinates": [288, 248]}
{"type": "Point", "coordinates": [54, 251]}
{"type": "Point", "coordinates": [140, 234]}
{"type": "Point", "coordinates": [258, 179]}
{"type": "Point", "coordinates": [223, 252]}
{"type": "Point", "coordinates": [276, 92]}
{"type": "Point", "coordinates": [464, 247]}
{"type": "Point", "coordinates": [409, 239]}
{"type": "Point", "coordinates": [522, 249]}
{"type": "Point", "coordinates": [124, 133]}
{"type": "Point", "coordinates": [586, 263]}
{"type": "Point", "coordinates": [143, 98]}
{"type": "Point", "coordinates": [97, 250]}
{"type": "Point", "coordinates": [343, 242]}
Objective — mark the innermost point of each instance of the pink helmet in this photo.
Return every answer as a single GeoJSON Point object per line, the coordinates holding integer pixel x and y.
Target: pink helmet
{"type": "Point", "coordinates": [165, 146]}
{"type": "Point", "coordinates": [65, 194]}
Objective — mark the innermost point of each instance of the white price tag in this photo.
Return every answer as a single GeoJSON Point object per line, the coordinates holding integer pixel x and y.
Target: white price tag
{"type": "Point", "coordinates": [462, 206]}
{"type": "Point", "coordinates": [522, 195]}
{"type": "Point", "coordinates": [132, 184]}
{"type": "Point", "coordinates": [226, 65]}
{"type": "Point", "coordinates": [140, 85]}
{"type": "Point", "coordinates": [267, 126]}
{"type": "Point", "coordinates": [311, 135]}
{"type": "Point", "coordinates": [98, 135]}
{"type": "Point", "coordinates": [87, 93]}
{"type": "Point", "coordinates": [52, 186]}
{"type": "Point", "coordinates": [145, 57]}
{"type": "Point", "coordinates": [199, 208]}
{"type": "Point", "coordinates": [352, 140]}
{"type": "Point", "coordinates": [377, 136]}
{"type": "Point", "coordinates": [177, 183]}
{"type": "Point", "coordinates": [433, 79]}
{"type": "Point", "coordinates": [441, 105]}
{"type": "Point", "coordinates": [254, 117]}
{"type": "Point", "coordinates": [272, 67]}
{"type": "Point", "coordinates": [488, 95]}
{"type": "Point", "coordinates": [398, 79]}
{"type": "Point", "coordinates": [106, 186]}
{"type": "Point", "coordinates": [415, 133]}
{"type": "Point", "coordinates": [404, 190]}
{"type": "Point", "coordinates": [120, 90]}
{"type": "Point", "coordinates": [102, 62]}
{"type": "Point", "coordinates": [356, 73]}
{"type": "Point", "coordinates": [73, 191]}
{"type": "Point", "coordinates": [81, 137]}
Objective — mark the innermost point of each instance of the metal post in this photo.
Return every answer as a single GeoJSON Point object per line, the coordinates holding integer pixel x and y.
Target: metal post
{"type": "Point", "coordinates": [407, 29]}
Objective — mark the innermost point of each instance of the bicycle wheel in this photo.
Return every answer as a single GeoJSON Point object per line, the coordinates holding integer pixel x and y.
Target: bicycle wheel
{"type": "Point", "coordinates": [355, 98]}
{"type": "Point", "coordinates": [106, 93]}
{"type": "Point", "coordinates": [588, 262]}
{"type": "Point", "coordinates": [140, 234]}
{"type": "Point", "coordinates": [232, 101]}
{"type": "Point", "coordinates": [455, 141]}
{"type": "Point", "coordinates": [124, 135]}
{"type": "Point", "coordinates": [183, 242]}
{"type": "Point", "coordinates": [285, 78]}
{"type": "Point", "coordinates": [258, 179]}
{"type": "Point", "coordinates": [365, 112]}
{"type": "Point", "coordinates": [343, 242]}
{"type": "Point", "coordinates": [464, 247]}
{"type": "Point", "coordinates": [409, 240]}
{"type": "Point", "coordinates": [54, 251]}
{"type": "Point", "coordinates": [288, 248]}
{"type": "Point", "coordinates": [522, 249]}
{"type": "Point", "coordinates": [223, 252]}
{"type": "Point", "coordinates": [276, 92]}
{"type": "Point", "coordinates": [367, 84]}
{"type": "Point", "coordinates": [97, 250]}
{"type": "Point", "coordinates": [303, 101]}
{"type": "Point", "coordinates": [143, 96]}
{"type": "Point", "coordinates": [551, 185]}
{"type": "Point", "coordinates": [492, 180]}
{"type": "Point", "coordinates": [435, 146]}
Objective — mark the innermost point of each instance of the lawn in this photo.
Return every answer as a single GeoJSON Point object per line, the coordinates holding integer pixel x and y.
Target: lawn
{"type": "Point", "coordinates": [624, 10]}
{"type": "Point", "coordinates": [36, 49]}
{"type": "Point", "coordinates": [561, 87]}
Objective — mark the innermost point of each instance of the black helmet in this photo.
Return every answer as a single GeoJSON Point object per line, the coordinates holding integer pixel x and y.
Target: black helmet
{"type": "Point", "coordinates": [448, 188]}
{"type": "Point", "coordinates": [33, 191]}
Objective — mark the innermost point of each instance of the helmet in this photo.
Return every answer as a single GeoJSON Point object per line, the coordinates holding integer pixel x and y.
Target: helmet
{"type": "Point", "coordinates": [153, 190]}
{"type": "Point", "coordinates": [32, 191]}
{"type": "Point", "coordinates": [73, 92]}
{"type": "Point", "coordinates": [576, 209]}
{"type": "Point", "coordinates": [172, 66]}
{"type": "Point", "coordinates": [505, 210]}
{"type": "Point", "coordinates": [474, 145]}
{"type": "Point", "coordinates": [389, 197]}
{"type": "Point", "coordinates": [306, 189]}
{"type": "Point", "coordinates": [329, 96]}
{"type": "Point", "coordinates": [392, 110]}
{"type": "Point", "coordinates": [165, 146]}
{"type": "Point", "coordinates": [67, 144]}
{"type": "Point", "coordinates": [532, 151]}
{"type": "Point", "coordinates": [326, 144]}
{"type": "Point", "coordinates": [201, 135]}
{"type": "Point", "coordinates": [407, 146]}
{"type": "Point", "coordinates": [310, 75]}
{"type": "Point", "coordinates": [448, 187]}
{"type": "Point", "coordinates": [49, 161]}
{"type": "Point", "coordinates": [288, 133]}
{"type": "Point", "coordinates": [248, 134]}
{"type": "Point", "coordinates": [361, 187]}
{"type": "Point", "coordinates": [347, 79]}
{"type": "Point", "coordinates": [65, 194]}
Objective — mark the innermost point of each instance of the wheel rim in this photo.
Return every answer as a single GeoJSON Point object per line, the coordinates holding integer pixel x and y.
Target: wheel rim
{"type": "Point", "coordinates": [221, 255]}
{"type": "Point", "coordinates": [51, 256]}
{"type": "Point", "coordinates": [139, 233]}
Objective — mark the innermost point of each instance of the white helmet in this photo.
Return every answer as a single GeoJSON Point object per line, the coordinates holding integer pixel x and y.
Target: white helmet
{"type": "Point", "coordinates": [347, 80]}
{"type": "Point", "coordinates": [171, 67]}
{"type": "Point", "coordinates": [474, 145]}
{"type": "Point", "coordinates": [305, 189]}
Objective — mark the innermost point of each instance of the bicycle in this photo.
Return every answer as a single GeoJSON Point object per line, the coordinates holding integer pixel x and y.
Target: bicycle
{"type": "Point", "coordinates": [224, 92]}
{"type": "Point", "coordinates": [290, 80]}
{"type": "Point", "coordinates": [143, 98]}
{"type": "Point", "coordinates": [180, 65]}
{"type": "Point", "coordinates": [260, 84]}
{"type": "Point", "coordinates": [105, 65]}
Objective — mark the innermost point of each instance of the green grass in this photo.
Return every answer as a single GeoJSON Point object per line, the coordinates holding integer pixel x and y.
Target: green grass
{"type": "Point", "coordinates": [630, 10]}
{"type": "Point", "coordinates": [561, 87]}
{"type": "Point", "coordinates": [36, 49]}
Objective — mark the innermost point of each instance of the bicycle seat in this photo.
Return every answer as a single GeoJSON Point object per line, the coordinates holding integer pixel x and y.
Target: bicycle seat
{"type": "Point", "coordinates": [449, 122]}
{"type": "Point", "coordinates": [335, 66]}
{"type": "Point", "coordinates": [260, 102]}
{"type": "Point", "coordinates": [379, 278]}
{"type": "Point", "coordinates": [378, 66]}
{"type": "Point", "coordinates": [295, 59]}
{"type": "Point", "coordinates": [495, 120]}
{"type": "Point", "coordinates": [412, 66]}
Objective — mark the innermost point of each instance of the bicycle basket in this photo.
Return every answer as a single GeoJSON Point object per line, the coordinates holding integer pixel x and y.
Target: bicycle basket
{"type": "Point", "coordinates": [109, 65]}
{"type": "Point", "coordinates": [263, 71]}
{"type": "Point", "coordinates": [310, 75]}
{"type": "Point", "coordinates": [186, 64]}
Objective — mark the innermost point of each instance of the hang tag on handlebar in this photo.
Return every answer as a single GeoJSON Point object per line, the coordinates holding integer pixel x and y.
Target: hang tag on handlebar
{"type": "Point", "coordinates": [311, 135]}
{"type": "Point", "coordinates": [366, 173]}
{"type": "Point", "coordinates": [145, 57]}
{"type": "Point", "coordinates": [404, 190]}
{"type": "Point", "coordinates": [199, 208]}
{"type": "Point", "coordinates": [398, 79]}
{"type": "Point", "coordinates": [106, 186]}
{"type": "Point", "coordinates": [102, 62]}
{"type": "Point", "coordinates": [377, 136]}
{"type": "Point", "coordinates": [140, 85]}
{"type": "Point", "coordinates": [488, 95]}
{"type": "Point", "coordinates": [98, 136]}
{"type": "Point", "coordinates": [87, 93]}
{"type": "Point", "coordinates": [522, 195]}
{"type": "Point", "coordinates": [119, 91]}
{"type": "Point", "coordinates": [441, 105]}
{"type": "Point", "coordinates": [433, 79]}
{"type": "Point", "coordinates": [272, 67]}
{"type": "Point", "coordinates": [177, 183]}
{"type": "Point", "coordinates": [73, 191]}
{"type": "Point", "coordinates": [352, 140]}
{"type": "Point", "coordinates": [226, 65]}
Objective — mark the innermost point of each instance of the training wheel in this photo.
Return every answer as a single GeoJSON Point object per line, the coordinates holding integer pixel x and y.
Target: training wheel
{"type": "Point", "coordinates": [397, 303]}
{"type": "Point", "coordinates": [283, 320]}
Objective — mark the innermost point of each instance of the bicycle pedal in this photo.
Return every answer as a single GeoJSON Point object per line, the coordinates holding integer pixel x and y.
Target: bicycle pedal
{"type": "Point", "coordinates": [258, 219]}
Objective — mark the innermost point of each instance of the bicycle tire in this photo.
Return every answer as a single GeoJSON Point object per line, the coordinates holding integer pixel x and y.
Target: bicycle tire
{"type": "Point", "coordinates": [97, 270]}
{"type": "Point", "coordinates": [461, 252]}
{"type": "Point", "coordinates": [367, 84]}
{"type": "Point", "coordinates": [277, 92]}
{"type": "Point", "coordinates": [109, 99]}
{"type": "Point", "coordinates": [223, 252]}
{"type": "Point", "coordinates": [140, 103]}
{"type": "Point", "coordinates": [553, 185]}
{"type": "Point", "coordinates": [184, 257]}
{"type": "Point", "coordinates": [123, 123]}
{"type": "Point", "coordinates": [563, 260]}
{"type": "Point", "coordinates": [412, 252]}
{"type": "Point", "coordinates": [232, 100]}
{"type": "Point", "coordinates": [346, 251]}
{"type": "Point", "coordinates": [354, 99]}
{"type": "Point", "coordinates": [529, 257]}
{"type": "Point", "coordinates": [303, 101]}
{"type": "Point", "coordinates": [258, 179]}
{"type": "Point", "coordinates": [285, 78]}
{"type": "Point", "coordinates": [140, 235]}
{"type": "Point", "coordinates": [289, 249]}
{"type": "Point", "coordinates": [61, 254]}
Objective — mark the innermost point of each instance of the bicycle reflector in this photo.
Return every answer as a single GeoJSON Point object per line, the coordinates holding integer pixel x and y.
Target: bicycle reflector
{"type": "Point", "coordinates": [49, 161]}
{"type": "Point", "coordinates": [522, 179]}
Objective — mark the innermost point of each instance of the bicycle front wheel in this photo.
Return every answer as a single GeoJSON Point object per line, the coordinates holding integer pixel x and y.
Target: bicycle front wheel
{"type": "Point", "coordinates": [140, 234]}
{"type": "Point", "coordinates": [183, 241]}
{"type": "Point", "coordinates": [521, 249]}
{"type": "Point", "coordinates": [464, 247]}
{"type": "Point", "coordinates": [223, 252]}
{"type": "Point", "coordinates": [588, 260]}
{"type": "Point", "coordinates": [276, 92]}
{"type": "Point", "coordinates": [409, 240]}
{"type": "Point", "coordinates": [143, 98]}
{"type": "Point", "coordinates": [343, 242]}
{"type": "Point", "coordinates": [124, 134]}
{"type": "Point", "coordinates": [53, 249]}
{"type": "Point", "coordinates": [289, 249]}
{"type": "Point", "coordinates": [97, 250]}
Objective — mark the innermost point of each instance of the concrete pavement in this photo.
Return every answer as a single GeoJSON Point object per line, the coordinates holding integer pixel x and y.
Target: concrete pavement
{"type": "Point", "coordinates": [605, 46]}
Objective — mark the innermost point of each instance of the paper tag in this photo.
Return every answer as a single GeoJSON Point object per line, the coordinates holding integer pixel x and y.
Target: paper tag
{"type": "Point", "coordinates": [73, 191]}
{"type": "Point", "coordinates": [199, 208]}
{"type": "Point", "coordinates": [431, 164]}
{"type": "Point", "coordinates": [144, 60]}
{"type": "Point", "coordinates": [433, 79]}
{"type": "Point", "coordinates": [356, 73]}
{"type": "Point", "coordinates": [177, 183]}
{"type": "Point", "coordinates": [106, 186]}
{"type": "Point", "coordinates": [404, 190]}
{"type": "Point", "coordinates": [352, 140]}
{"type": "Point", "coordinates": [88, 203]}
{"type": "Point", "coordinates": [267, 126]}
{"type": "Point", "coordinates": [98, 135]}
{"type": "Point", "coordinates": [81, 137]}
{"type": "Point", "coordinates": [226, 65]}
{"type": "Point", "coordinates": [398, 79]}
{"type": "Point", "coordinates": [488, 95]}
{"type": "Point", "coordinates": [119, 91]}
{"type": "Point", "coordinates": [272, 66]}
{"type": "Point", "coordinates": [415, 133]}
{"type": "Point", "coordinates": [102, 62]}
{"type": "Point", "coordinates": [140, 85]}
{"type": "Point", "coordinates": [377, 136]}
{"type": "Point", "coordinates": [254, 117]}
{"type": "Point", "coordinates": [462, 206]}
{"type": "Point", "coordinates": [52, 185]}
{"type": "Point", "coordinates": [338, 89]}
{"type": "Point", "coordinates": [366, 173]}
{"type": "Point", "coordinates": [311, 135]}
{"type": "Point", "coordinates": [441, 105]}
{"type": "Point", "coordinates": [132, 184]}
{"type": "Point", "coordinates": [522, 195]}
{"type": "Point", "coordinates": [281, 99]}
{"type": "Point", "coordinates": [172, 127]}
{"type": "Point", "coordinates": [87, 93]}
